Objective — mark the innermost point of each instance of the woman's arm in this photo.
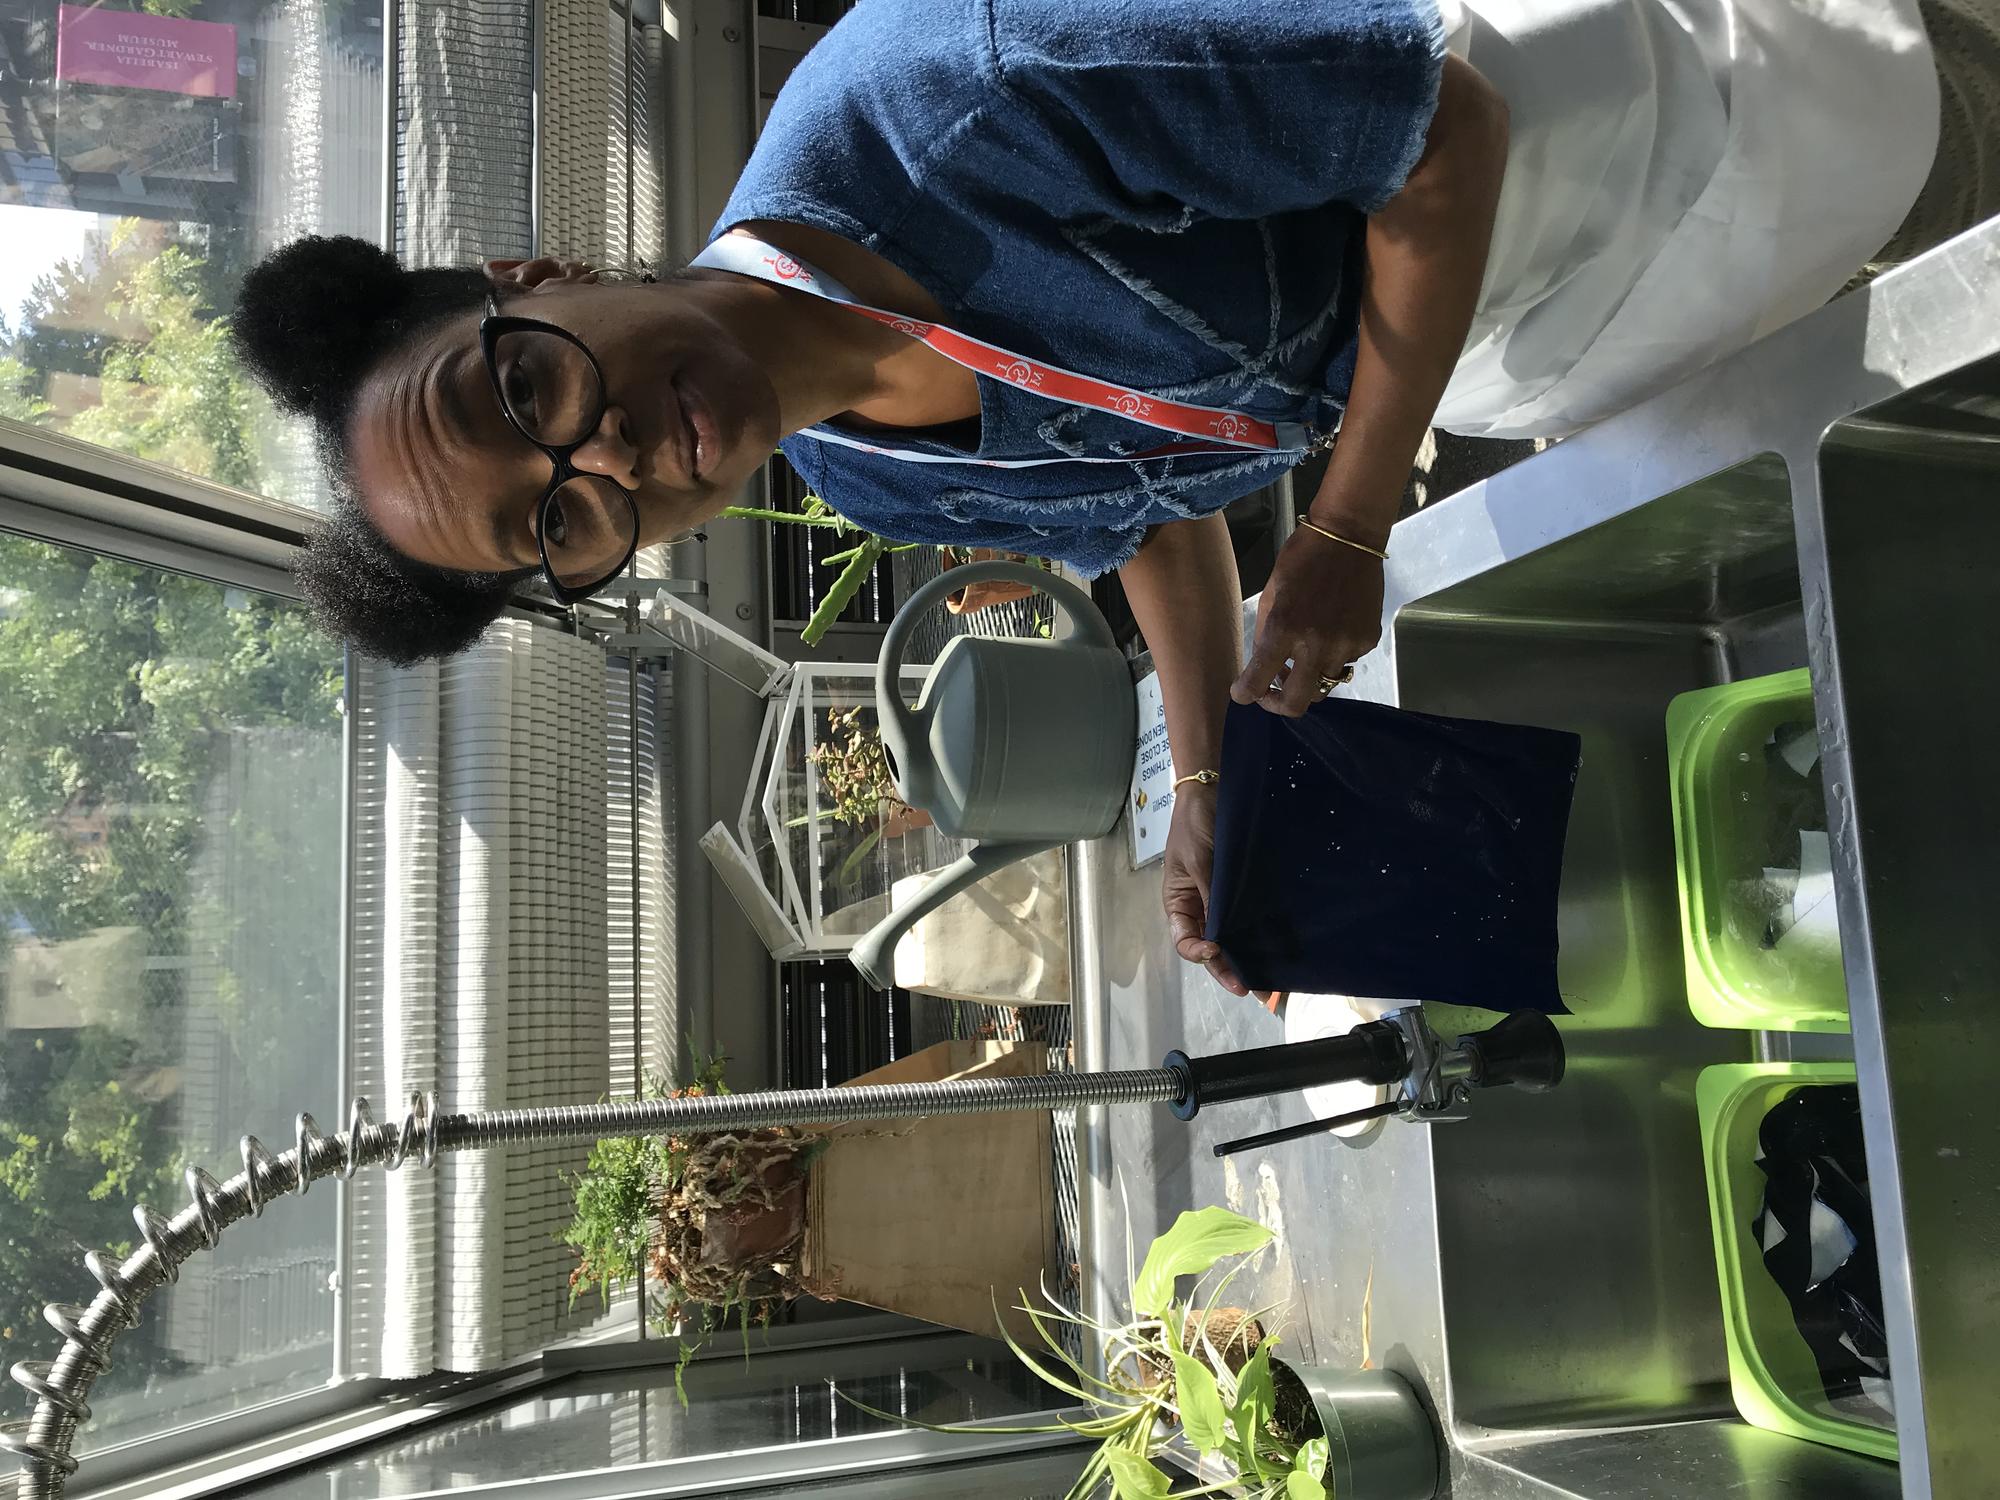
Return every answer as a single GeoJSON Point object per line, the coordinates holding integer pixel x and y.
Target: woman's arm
{"type": "Point", "coordinates": [1425, 256]}
{"type": "Point", "coordinates": [1186, 597]}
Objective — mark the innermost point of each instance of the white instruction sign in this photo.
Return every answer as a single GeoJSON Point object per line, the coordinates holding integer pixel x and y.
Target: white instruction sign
{"type": "Point", "coordinates": [1152, 776]}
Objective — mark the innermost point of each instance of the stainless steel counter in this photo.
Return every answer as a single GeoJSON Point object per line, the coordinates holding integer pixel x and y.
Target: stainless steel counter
{"type": "Point", "coordinates": [1544, 1271]}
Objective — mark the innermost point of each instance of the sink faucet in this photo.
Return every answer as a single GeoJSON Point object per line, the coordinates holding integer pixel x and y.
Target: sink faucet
{"type": "Point", "coordinates": [1432, 1078]}
{"type": "Point", "coordinates": [1436, 1080]}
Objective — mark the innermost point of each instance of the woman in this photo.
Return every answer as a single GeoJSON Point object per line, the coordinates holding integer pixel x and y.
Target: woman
{"type": "Point", "coordinates": [1186, 240]}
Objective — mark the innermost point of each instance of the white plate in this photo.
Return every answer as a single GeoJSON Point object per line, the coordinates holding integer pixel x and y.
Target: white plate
{"type": "Point", "coordinates": [1309, 1018]}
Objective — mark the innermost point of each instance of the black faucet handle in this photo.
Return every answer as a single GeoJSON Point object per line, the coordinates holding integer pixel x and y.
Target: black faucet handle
{"type": "Point", "coordinates": [1523, 1050]}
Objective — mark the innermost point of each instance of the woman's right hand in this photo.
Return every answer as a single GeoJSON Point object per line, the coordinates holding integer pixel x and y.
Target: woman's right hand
{"type": "Point", "coordinates": [1319, 613]}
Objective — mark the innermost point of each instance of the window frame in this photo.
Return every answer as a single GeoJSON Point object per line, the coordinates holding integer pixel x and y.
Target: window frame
{"type": "Point", "coordinates": [67, 493]}
{"type": "Point", "coordinates": [57, 489]}
{"type": "Point", "coordinates": [317, 1427]}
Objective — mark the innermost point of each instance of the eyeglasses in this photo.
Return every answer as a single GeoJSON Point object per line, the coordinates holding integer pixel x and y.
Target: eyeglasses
{"type": "Point", "coordinates": [552, 391]}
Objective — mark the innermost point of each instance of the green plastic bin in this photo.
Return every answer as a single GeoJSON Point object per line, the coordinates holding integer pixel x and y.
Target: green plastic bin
{"type": "Point", "coordinates": [1772, 1374]}
{"type": "Point", "coordinates": [1724, 811]}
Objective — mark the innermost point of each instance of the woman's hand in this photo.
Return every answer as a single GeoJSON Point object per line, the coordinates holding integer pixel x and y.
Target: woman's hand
{"type": "Point", "coordinates": [1322, 609]}
{"type": "Point", "coordinates": [1426, 254]}
{"type": "Point", "coordinates": [1190, 858]}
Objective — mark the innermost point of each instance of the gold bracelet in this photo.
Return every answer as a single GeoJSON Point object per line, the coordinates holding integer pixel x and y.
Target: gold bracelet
{"type": "Point", "coordinates": [1206, 778]}
{"type": "Point", "coordinates": [1345, 541]}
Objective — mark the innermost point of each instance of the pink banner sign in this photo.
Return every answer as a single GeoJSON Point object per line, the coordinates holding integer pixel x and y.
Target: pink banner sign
{"type": "Point", "coordinates": [130, 50]}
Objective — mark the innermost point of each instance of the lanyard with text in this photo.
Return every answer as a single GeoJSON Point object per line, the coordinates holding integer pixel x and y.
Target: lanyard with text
{"type": "Point", "coordinates": [1222, 431]}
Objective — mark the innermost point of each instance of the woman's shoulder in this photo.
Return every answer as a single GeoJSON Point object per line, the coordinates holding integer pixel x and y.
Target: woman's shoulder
{"type": "Point", "coordinates": [869, 113]}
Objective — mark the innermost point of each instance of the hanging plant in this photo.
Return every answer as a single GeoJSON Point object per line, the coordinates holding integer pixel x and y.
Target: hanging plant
{"type": "Point", "coordinates": [716, 1220]}
{"type": "Point", "coordinates": [855, 564]}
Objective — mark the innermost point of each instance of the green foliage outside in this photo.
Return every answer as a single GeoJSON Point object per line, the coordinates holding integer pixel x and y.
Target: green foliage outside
{"type": "Point", "coordinates": [132, 329]}
{"type": "Point", "coordinates": [120, 684]}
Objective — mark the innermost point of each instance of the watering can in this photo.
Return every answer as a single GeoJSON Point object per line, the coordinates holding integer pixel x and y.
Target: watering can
{"type": "Point", "coordinates": [1020, 745]}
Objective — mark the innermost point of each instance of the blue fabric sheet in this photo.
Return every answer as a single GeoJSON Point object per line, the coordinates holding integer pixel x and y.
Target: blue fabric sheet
{"type": "Point", "coordinates": [1371, 851]}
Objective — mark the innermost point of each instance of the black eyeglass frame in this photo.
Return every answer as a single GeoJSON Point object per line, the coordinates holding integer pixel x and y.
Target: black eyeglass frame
{"type": "Point", "coordinates": [492, 328]}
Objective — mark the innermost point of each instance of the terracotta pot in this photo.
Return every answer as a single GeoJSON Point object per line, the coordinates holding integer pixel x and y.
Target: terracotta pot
{"type": "Point", "coordinates": [904, 820]}
{"type": "Point", "coordinates": [984, 595]}
{"type": "Point", "coordinates": [750, 1234]}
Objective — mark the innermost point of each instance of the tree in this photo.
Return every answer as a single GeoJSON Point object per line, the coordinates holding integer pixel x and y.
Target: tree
{"type": "Point", "coordinates": [137, 319]}
{"type": "Point", "coordinates": [18, 399]}
{"type": "Point", "coordinates": [120, 684]}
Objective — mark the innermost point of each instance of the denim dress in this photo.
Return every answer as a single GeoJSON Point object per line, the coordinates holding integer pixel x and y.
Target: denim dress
{"type": "Point", "coordinates": [1169, 195]}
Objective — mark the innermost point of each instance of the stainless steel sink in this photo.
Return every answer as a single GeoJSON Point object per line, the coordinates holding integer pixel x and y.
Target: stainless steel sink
{"type": "Point", "coordinates": [1577, 1270]}
{"type": "Point", "coordinates": [1543, 1271]}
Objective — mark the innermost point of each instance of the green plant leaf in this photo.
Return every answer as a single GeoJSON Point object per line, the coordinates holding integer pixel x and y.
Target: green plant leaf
{"type": "Point", "coordinates": [1136, 1478]}
{"type": "Point", "coordinates": [1092, 1475]}
{"type": "Point", "coordinates": [1200, 1403]}
{"type": "Point", "coordinates": [845, 587]}
{"type": "Point", "coordinates": [1256, 1399]}
{"type": "Point", "coordinates": [825, 519]}
{"type": "Point", "coordinates": [1055, 1347]}
{"type": "Point", "coordinates": [1313, 1457]}
{"type": "Point", "coordinates": [1199, 1238]}
{"type": "Point", "coordinates": [1109, 1429]}
{"type": "Point", "coordinates": [1306, 1481]}
{"type": "Point", "coordinates": [853, 861]}
{"type": "Point", "coordinates": [1043, 1372]}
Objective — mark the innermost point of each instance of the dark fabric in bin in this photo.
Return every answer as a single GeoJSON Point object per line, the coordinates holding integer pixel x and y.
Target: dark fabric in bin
{"type": "Point", "coordinates": [1368, 850]}
{"type": "Point", "coordinates": [1811, 1149]}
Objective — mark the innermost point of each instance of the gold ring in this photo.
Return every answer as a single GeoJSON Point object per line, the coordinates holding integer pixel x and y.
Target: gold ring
{"type": "Point", "coordinates": [1328, 684]}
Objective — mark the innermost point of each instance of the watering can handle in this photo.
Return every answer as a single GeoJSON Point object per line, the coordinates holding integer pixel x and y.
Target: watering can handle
{"type": "Point", "coordinates": [902, 729]}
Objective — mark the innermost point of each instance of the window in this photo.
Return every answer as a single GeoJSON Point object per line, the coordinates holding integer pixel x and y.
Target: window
{"type": "Point", "coordinates": [744, 1408]}
{"type": "Point", "coordinates": [170, 842]}
{"type": "Point", "coordinates": [146, 162]}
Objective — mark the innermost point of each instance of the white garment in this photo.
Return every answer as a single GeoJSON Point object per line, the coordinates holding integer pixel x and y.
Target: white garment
{"type": "Point", "coordinates": [1683, 176]}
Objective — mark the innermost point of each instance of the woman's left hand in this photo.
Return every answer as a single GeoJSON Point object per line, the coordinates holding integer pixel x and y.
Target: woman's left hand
{"type": "Point", "coordinates": [1184, 883]}
{"type": "Point", "coordinates": [1322, 609]}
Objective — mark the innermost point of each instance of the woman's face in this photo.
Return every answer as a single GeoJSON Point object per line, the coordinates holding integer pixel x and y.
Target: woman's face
{"type": "Point", "coordinates": [689, 414]}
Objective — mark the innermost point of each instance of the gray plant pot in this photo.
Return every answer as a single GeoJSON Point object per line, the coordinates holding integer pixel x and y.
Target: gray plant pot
{"type": "Point", "coordinates": [1382, 1444]}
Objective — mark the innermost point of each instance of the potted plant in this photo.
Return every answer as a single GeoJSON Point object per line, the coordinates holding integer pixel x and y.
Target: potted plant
{"type": "Point", "coordinates": [855, 564]}
{"type": "Point", "coordinates": [717, 1221]}
{"type": "Point", "coordinates": [859, 560]}
{"type": "Point", "coordinates": [978, 596]}
{"type": "Point", "coordinates": [861, 793]}
{"type": "Point", "coordinates": [1203, 1372]}
{"type": "Point", "coordinates": [737, 1226]}
{"type": "Point", "coordinates": [854, 768]}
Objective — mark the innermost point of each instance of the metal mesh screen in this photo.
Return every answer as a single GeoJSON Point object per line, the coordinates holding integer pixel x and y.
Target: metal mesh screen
{"type": "Point", "coordinates": [639, 880]}
{"type": "Point", "coordinates": [635, 116]}
{"type": "Point", "coordinates": [465, 139]}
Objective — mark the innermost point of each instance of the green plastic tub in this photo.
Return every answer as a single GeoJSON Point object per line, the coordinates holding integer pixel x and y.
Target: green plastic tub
{"type": "Point", "coordinates": [1737, 811]}
{"type": "Point", "coordinates": [1772, 1374]}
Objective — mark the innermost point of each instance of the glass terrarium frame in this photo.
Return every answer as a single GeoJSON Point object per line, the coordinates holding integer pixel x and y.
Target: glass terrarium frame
{"type": "Point", "coordinates": [786, 825]}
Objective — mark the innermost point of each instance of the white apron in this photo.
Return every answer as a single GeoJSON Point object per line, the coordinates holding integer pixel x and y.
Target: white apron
{"type": "Point", "coordinates": [1683, 176]}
